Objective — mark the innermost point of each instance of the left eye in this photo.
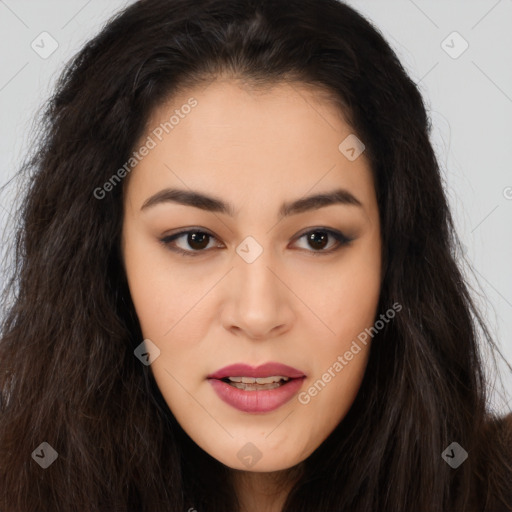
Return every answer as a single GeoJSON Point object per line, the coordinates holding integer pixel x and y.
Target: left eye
{"type": "Point", "coordinates": [318, 239]}
{"type": "Point", "coordinates": [198, 241]}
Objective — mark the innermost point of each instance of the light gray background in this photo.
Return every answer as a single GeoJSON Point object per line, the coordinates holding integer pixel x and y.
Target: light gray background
{"type": "Point", "coordinates": [469, 99]}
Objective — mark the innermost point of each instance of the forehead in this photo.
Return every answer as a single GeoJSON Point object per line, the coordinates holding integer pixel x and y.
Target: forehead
{"type": "Point", "coordinates": [243, 142]}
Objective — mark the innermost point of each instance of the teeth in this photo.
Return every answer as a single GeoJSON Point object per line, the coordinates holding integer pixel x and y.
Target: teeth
{"type": "Point", "coordinates": [256, 387]}
{"type": "Point", "coordinates": [259, 380]}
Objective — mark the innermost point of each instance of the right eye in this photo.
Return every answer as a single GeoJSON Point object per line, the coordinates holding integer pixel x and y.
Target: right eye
{"type": "Point", "coordinates": [195, 239]}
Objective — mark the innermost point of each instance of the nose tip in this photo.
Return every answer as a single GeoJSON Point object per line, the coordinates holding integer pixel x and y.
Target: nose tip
{"type": "Point", "coordinates": [259, 304]}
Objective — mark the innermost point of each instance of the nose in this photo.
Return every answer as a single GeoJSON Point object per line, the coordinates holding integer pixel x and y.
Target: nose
{"type": "Point", "coordinates": [260, 302]}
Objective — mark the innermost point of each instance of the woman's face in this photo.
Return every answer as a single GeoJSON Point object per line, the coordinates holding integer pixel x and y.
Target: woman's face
{"type": "Point", "coordinates": [266, 278]}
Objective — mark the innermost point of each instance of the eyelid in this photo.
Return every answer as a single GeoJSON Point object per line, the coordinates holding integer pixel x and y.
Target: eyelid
{"type": "Point", "coordinates": [341, 240]}
{"type": "Point", "coordinates": [167, 239]}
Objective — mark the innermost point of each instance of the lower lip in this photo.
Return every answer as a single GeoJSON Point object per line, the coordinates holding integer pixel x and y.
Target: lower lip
{"type": "Point", "coordinates": [256, 401]}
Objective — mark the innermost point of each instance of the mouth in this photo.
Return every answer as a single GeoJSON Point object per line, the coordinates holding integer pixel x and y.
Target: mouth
{"type": "Point", "coordinates": [256, 389]}
{"type": "Point", "coordinates": [256, 383]}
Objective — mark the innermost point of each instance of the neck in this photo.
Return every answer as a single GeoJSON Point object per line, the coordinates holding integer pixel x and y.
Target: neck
{"type": "Point", "coordinates": [264, 491]}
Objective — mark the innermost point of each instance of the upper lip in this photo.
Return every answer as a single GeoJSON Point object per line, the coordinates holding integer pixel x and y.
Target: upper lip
{"type": "Point", "coordinates": [265, 370]}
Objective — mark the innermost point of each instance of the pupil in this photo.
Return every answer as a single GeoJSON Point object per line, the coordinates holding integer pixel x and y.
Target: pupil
{"type": "Point", "coordinates": [198, 238]}
{"type": "Point", "coordinates": [318, 237]}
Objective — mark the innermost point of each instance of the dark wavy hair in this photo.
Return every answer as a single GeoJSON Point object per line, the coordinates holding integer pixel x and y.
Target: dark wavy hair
{"type": "Point", "coordinates": [69, 376]}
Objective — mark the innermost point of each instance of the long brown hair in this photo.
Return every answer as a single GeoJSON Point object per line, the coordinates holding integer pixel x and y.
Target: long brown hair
{"type": "Point", "coordinates": [69, 376]}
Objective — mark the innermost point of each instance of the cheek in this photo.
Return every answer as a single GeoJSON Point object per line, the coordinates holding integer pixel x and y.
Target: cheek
{"type": "Point", "coordinates": [164, 287]}
{"type": "Point", "coordinates": [154, 294]}
{"type": "Point", "coordinates": [345, 299]}
{"type": "Point", "coordinates": [357, 291]}
{"type": "Point", "coordinates": [329, 396]}
{"type": "Point", "coordinates": [348, 310]}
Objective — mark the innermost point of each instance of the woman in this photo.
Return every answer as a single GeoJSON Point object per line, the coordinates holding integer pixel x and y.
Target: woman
{"type": "Point", "coordinates": [236, 286]}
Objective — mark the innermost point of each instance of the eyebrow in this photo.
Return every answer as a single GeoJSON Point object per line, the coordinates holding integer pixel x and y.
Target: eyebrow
{"type": "Point", "coordinates": [214, 204]}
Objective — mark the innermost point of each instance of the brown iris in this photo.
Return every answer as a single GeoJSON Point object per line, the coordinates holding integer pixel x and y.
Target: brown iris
{"type": "Point", "coordinates": [318, 239]}
{"type": "Point", "coordinates": [199, 238]}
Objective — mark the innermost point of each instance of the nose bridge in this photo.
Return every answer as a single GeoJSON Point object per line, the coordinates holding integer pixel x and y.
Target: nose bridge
{"type": "Point", "coordinates": [255, 278]}
{"type": "Point", "coordinates": [259, 302]}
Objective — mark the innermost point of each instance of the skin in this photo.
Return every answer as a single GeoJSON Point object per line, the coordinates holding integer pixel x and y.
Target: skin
{"type": "Point", "coordinates": [255, 149]}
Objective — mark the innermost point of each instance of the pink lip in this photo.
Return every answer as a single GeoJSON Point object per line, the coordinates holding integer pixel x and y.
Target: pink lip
{"type": "Point", "coordinates": [256, 401]}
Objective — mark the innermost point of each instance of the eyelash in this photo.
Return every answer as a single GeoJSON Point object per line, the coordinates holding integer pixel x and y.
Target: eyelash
{"type": "Point", "coordinates": [340, 238]}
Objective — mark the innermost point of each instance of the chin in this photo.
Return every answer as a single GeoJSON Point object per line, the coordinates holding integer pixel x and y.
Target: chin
{"type": "Point", "coordinates": [260, 455]}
